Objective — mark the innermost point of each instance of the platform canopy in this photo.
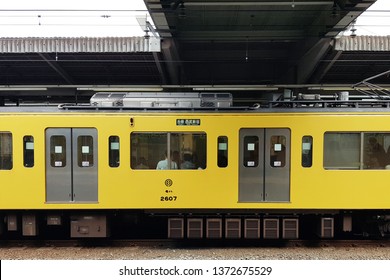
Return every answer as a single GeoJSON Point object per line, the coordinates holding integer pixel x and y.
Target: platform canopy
{"type": "Point", "coordinates": [201, 45]}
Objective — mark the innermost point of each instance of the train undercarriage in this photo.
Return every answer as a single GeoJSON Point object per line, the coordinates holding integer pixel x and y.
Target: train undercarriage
{"type": "Point", "coordinates": [196, 225]}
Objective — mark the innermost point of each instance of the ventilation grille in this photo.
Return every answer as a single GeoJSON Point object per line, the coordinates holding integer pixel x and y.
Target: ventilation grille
{"type": "Point", "coordinates": [290, 228]}
{"type": "Point", "coordinates": [195, 228]}
{"type": "Point", "coordinates": [252, 228]}
{"type": "Point", "coordinates": [327, 227]}
{"type": "Point", "coordinates": [214, 228]}
{"type": "Point", "coordinates": [271, 228]}
{"type": "Point", "coordinates": [233, 228]}
{"type": "Point", "coordinates": [175, 228]}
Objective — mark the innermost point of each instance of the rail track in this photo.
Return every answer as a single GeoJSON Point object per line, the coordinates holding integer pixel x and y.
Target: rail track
{"type": "Point", "coordinates": [165, 243]}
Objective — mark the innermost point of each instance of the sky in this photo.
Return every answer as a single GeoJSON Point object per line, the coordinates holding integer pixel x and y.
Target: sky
{"type": "Point", "coordinates": [81, 18]}
{"type": "Point", "coordinates": [375, 21]}
{"type": "Point", "coordinates": [117, 18]}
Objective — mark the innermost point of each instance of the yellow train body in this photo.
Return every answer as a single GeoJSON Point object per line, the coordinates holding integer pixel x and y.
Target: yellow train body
{"type": "Point", "coordinates": [213, 188]}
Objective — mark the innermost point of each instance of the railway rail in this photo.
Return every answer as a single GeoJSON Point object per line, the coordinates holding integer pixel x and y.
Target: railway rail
{"type": "Point", "coordinates": [164, 243]}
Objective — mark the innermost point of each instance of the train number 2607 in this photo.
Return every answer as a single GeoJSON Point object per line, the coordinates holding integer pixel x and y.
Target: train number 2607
{"type": "Point", "coordinates": [168, 198]}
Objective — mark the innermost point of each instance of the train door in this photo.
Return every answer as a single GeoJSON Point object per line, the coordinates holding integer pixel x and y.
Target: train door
{"type": "Point", "coordinates": [71, 165]}
{"type": "Point", "coordinates": [264, 172]}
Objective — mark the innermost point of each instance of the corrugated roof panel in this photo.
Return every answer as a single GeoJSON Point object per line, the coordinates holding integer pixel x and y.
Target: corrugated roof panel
{"type": "Point", "coordinates": [78, 45]}
{"type": "Point", "coordinates": [363, 43]}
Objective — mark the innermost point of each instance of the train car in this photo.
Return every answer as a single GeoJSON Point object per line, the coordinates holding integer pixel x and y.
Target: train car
{"type": "Point", "coordinates": [198, 171]}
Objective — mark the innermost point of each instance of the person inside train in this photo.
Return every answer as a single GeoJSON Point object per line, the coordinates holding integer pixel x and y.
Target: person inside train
{"type": "Point", "coordinates": [187, 161]}
{"type": "Point", "coordinates": [163, 164]}
{"type": "Point", "coordinates": [377, 154]}
{"type": "Point", "coordinates": [142, 164]}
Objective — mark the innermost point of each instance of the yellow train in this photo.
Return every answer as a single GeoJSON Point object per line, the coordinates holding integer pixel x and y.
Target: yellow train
{"type": "Point", "coordinates": [93, 171]}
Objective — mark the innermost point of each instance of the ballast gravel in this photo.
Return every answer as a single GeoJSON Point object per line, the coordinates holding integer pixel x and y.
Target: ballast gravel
{"type": "Point", "coordinates": [171, 253]}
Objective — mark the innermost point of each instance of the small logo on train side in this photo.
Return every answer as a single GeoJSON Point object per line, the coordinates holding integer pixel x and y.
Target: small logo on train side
{"type": "Point", "coordinates": [187, 121]}
{"type": "Point", "coordinates": [168, 182]}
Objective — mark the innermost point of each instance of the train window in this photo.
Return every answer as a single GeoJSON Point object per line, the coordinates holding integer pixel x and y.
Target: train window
{"type": "Point", "coordinates": [5, 151]}
{"type": "Point", "coordinates": [376, 151]}
{"type": "Point", "coordinates": [222, 151]}
{"type": "Point", "coordinates": [251, 151]}
{"type": "Point", "coordinates": [342, 150]}
{"type": "Point", "coordinates": [58, 151]}
{"type": "Point", "coordinates": [85, 151]}
{"type": "Point", "coordinates": [113, 151]}
{"type": "Point", "coordinates": [28, 151]}
{"type": "Point", "coordinates": [278, 151]}
{"type": "Point", "coordinates": [146, 148]}
{"type": "Point", "coordinates": [362, 150]}
{"type": "Point", "coordinates": [168, 150]}
{"type": "Point", "coordinates": [307, 151]}
{"type": "Point", "coordinates": [190, 150]}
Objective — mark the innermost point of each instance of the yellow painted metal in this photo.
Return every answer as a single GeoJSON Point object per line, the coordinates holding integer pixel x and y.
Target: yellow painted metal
{"type": "Point", "coordinates": [211, 188]}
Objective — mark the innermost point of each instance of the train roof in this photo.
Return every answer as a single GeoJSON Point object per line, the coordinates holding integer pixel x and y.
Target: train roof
{"type": "Point", "coordinates": [111, 102]}
{"type": "Point", "coordinates": [280, 107]}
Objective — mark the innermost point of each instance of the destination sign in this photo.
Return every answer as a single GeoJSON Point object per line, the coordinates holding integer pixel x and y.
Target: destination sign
{"type": "Point", "coordinates": [187, 121]}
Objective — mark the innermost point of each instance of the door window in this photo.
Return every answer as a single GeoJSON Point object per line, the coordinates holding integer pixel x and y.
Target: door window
{"type": "Point", "coordinates": [85, 151]}
{"type": "Point", "coordinates": [278, 151]}
{"type": "Point", "coordinates": [58, 151]}
{"type": "Point", "coordinates": [251, 151]}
